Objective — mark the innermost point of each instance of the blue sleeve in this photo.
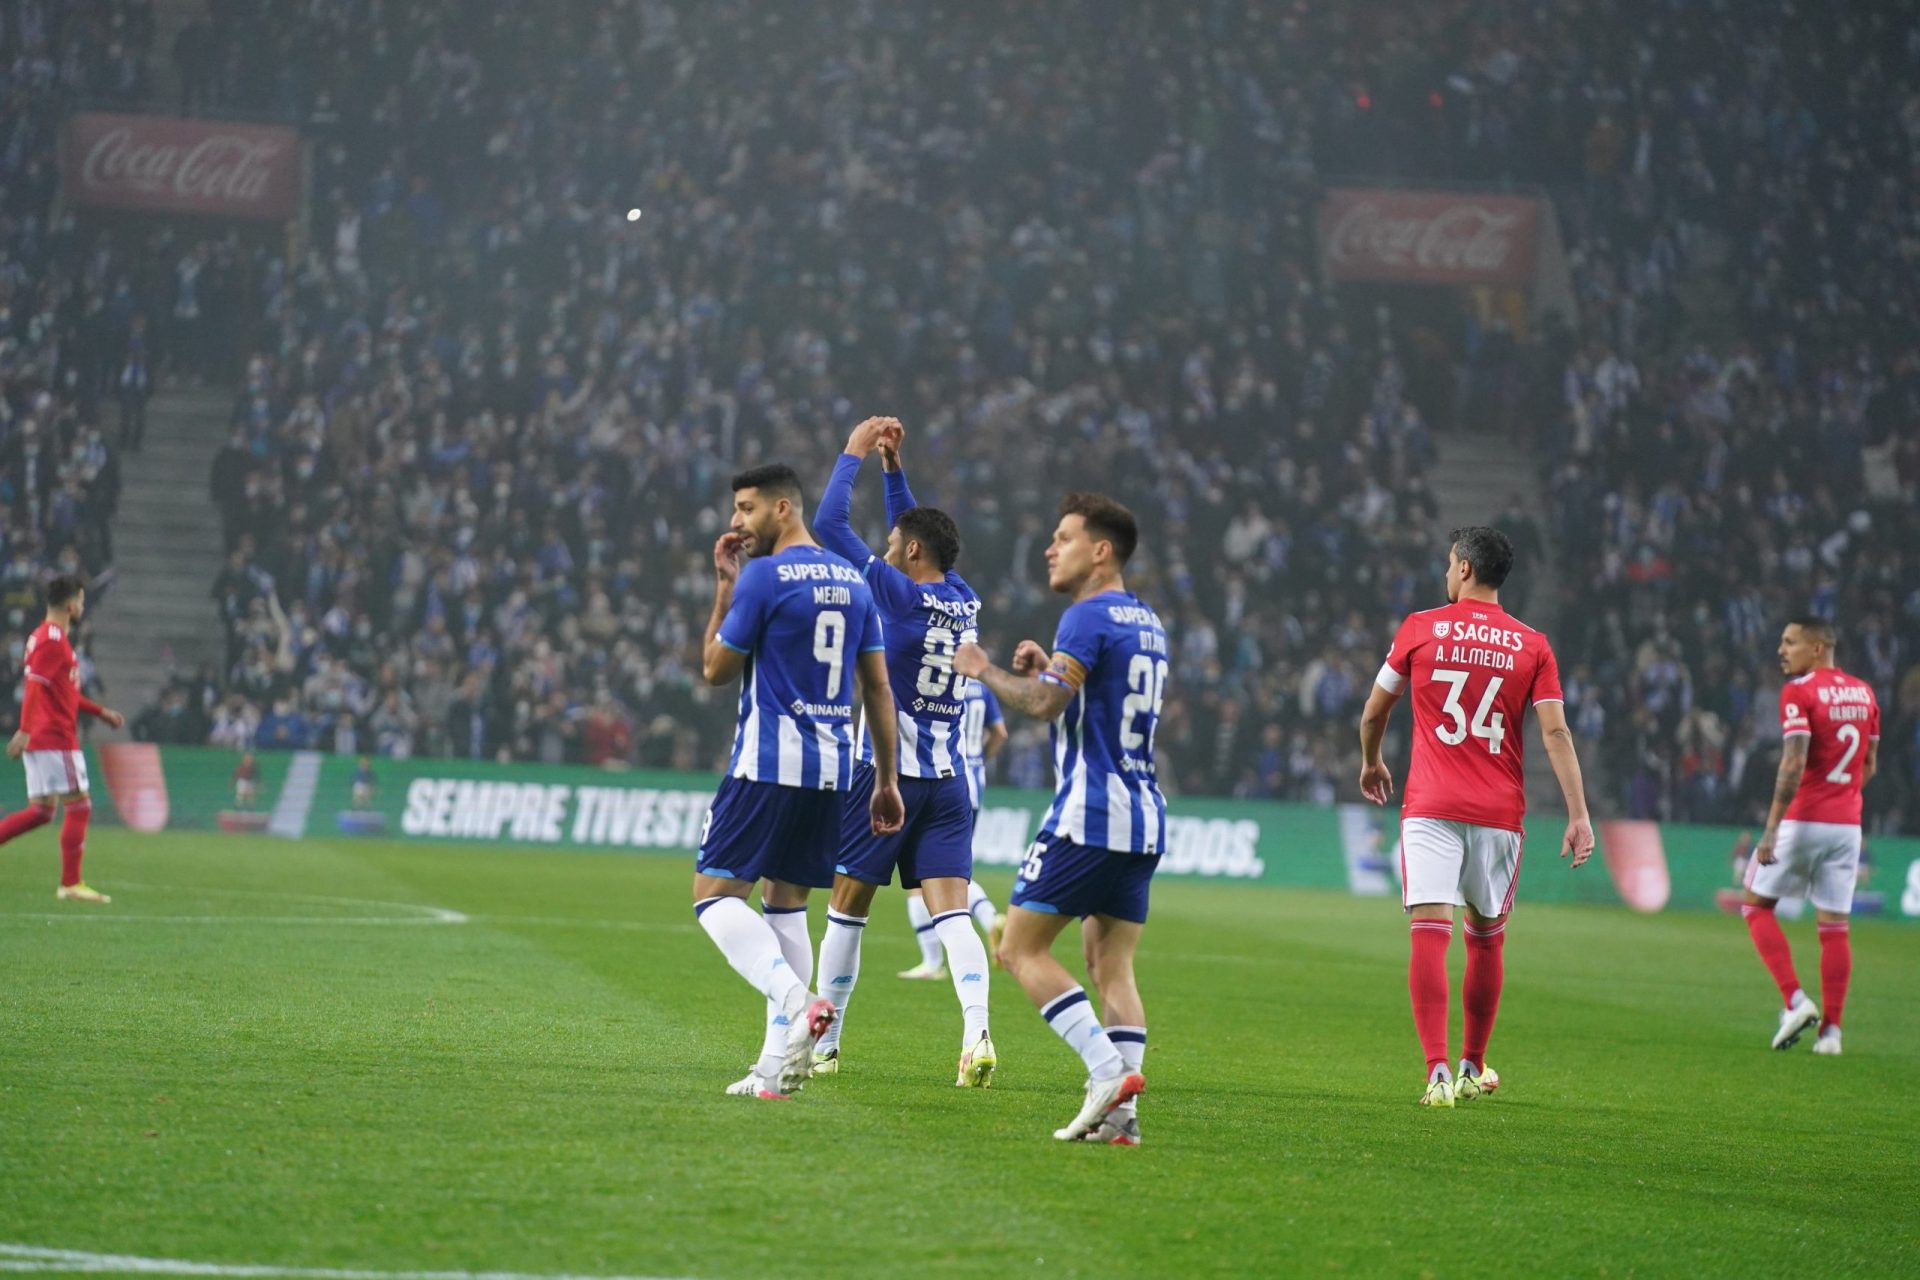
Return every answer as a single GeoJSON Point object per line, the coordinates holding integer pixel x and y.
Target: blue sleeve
{"type": "Point", "coordinates": [994, 716]}
{"type": "Point", "coordinates": [834, 521]}
{"type": "Point", "coordinates": [752, 599]}
{"type": "Point", "coordinates": [872, 636]}
{"type": "Point", "coordinates": [899, 497]}
{"type": "Point", "coordinates": [1076, 646]}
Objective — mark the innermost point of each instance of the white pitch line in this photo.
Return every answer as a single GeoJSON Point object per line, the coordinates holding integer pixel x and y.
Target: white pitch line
{"type": "Point", "coordinates": [26, 1257]}
{"type": "Point", "coordinates": [421, 912]}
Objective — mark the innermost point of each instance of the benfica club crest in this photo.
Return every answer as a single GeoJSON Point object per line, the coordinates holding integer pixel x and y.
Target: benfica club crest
{"type": "Point", "coordinates": [1440, 630]}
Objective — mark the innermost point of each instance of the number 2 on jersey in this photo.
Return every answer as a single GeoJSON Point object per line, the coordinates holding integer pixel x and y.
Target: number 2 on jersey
{"type": "Point", "coordinates": [1849, 734]}
{"type": "Point", "coordinates": [1487, 723]}
{"type": "Point", "coordinates": [1147, 690]}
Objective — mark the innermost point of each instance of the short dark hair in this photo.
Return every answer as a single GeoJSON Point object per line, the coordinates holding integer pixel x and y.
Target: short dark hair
{"type": "Point", "coordinates": [934, 530]}
{"type": "Point", "coordinates": [1816, 627]}
{"type": "Point", "coordinates": [1488, 550]}
{"type": "Point", "coordinates": [775, 479]}
{"type": "Point", "coordinates": [63, 589]}
{"type": "Point", "coordinates": [1106, 520]}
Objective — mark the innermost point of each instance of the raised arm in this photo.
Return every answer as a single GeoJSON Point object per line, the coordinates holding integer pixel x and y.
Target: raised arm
{"type": "Point", "coordinates": [893, 474]}
{"type": "Point", "coordinates": [833, 522]}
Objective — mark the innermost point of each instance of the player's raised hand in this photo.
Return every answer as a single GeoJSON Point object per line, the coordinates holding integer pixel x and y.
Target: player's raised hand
{"type": "Point", "coordinates": [887, 810]}
{"type": "Point", "coordinates": [890, 445]}
{"type": "Point", "coordinates": [970, 660]}
{"type": "Point", "coordinates": [1030, 659]}
{"type": "Point", "coordinates": [727, 555]}
{"type": "Point", "coordinates": [869, 434]}
{"type": "Point", "coordinates": [1376, 782]}
{"type": "Point", "coordinates": [1578, 841]}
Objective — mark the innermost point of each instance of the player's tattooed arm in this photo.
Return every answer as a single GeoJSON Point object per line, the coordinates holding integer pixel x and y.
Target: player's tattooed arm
{"type": "Point", "coordinates": [1555, 735]}
{"type": "Point", "coordinates": [1786, 785]}
{"type": "Point", "coordinates": [1026, 693]}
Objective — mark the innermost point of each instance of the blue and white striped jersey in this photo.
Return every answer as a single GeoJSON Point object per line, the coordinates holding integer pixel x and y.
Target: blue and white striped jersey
{"type": "Point", "coordinates": [924, 623]}
{"type": "Point", "coordinates": [1111, 651]}
{"type": "Point", "coordinates": [982, 713]}
{"type": "Point", "coordinates": [802, 617]}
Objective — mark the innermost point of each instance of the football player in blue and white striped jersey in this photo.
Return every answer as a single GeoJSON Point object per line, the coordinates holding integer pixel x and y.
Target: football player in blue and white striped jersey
{"type": "Point", "coordinates": [798, 623]}
{"type": "Point", "coordinates": [1102, 688]}
{"type": "Point", "coordinates": [927, 611]}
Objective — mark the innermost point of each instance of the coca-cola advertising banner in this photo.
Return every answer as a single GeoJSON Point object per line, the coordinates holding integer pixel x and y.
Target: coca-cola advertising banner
{"type": "Point", "coordinates": [181, 166]}
{"type": "Point", "coordinates": [1428, 237]}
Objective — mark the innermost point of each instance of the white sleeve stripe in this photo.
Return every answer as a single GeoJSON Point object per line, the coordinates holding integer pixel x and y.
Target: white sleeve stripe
{"type": "Point", "coordinates": [35, 675]}
{"type": "Point", "coordinates": [1796, 733]}
{"type": "Point", "coordinates": [1540, 702]}
{"type": "Point", "coordinates": [1389, 679]}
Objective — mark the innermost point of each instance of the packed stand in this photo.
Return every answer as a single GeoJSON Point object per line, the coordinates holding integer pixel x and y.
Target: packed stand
{"type": "Point", "coordinates": [501, 415]}
{"type": "Point", "coordinates": [75, 365]}
{"type": "Point", "coordinates": [1707, 487]}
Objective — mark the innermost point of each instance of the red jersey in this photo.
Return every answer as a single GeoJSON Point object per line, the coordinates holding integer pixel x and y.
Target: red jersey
{"type": "Point", "coordinates": [1474, 670]}
{"type": "Point", "coordinates": [1838, 713]}
{"type": "Point", "coordinates": [52, 711]}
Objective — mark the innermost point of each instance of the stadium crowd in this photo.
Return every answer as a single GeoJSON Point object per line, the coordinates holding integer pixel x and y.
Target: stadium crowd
{"type": "Point", "coordinates": [480, 456]}
{"type": "Point", "coordinates": [76, 361]}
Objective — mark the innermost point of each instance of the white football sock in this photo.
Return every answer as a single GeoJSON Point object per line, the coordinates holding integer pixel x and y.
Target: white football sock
{"type": "Point", "coordinates": [1132, 1044]}
{"type": "Point", "coordinates": [967, 966]}
{"type": "Point", "coordinates": [753, 949]}
{"type": "Point", "coordinates": [923, 930]}
{"type": "Point", "coordinates": [980, 906]}
{"type": "Point", "coordinates": [1072, 1019]}
{"type": "Point", "coordinates": [839, 968]}
{"type": "Point", "coordinates": [789, 924]}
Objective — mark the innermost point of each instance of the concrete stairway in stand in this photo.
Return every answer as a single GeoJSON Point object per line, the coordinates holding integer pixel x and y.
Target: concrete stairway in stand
{"type": "Point", "coordinates": [159, 615]}
{"type": "Point", "coordinates": [1473, 477]}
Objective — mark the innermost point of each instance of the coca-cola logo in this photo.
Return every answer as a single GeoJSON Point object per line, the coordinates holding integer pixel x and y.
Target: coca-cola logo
{"type": "Point", "coordinates": [221, 166]}
{"type": "Point", "coordinates": [1461, 237]}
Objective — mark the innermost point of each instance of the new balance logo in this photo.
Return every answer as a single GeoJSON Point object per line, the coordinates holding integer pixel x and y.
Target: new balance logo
{"type": "Point", "coordinates": [971, 977]}
{"type": "Point", "coordinates": [844, 980]}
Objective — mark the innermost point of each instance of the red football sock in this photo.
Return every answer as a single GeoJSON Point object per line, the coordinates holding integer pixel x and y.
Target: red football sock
{"type": "Point", "coordinates": [1773, 949]}
{"type": "Point", "coordinates": [1427, 984]}
{"type": "Point", "coordinates": [18, 824]}
{"type": "Point", "coordinates": [1480, 992]}
{"type": "Point", "coordinates": [1836, 966]}
{"type": "Point", "coordinates": [73, 840]}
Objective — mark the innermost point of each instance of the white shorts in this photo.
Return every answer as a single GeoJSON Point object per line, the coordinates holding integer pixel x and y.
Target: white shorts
{"type": "Point", "coordinates": [1459, 864]}
{"type": "Point", "coordinates": [1817, 860]}
{"type": "Point", "coordinates": [55, 773]}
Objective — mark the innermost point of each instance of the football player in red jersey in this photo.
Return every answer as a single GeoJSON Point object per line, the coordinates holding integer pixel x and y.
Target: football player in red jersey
{"type": "Point", "coordinates": [49, 736]}
{"type": "Point", "coordinates": [1830, 746]}
{"type": "Point", "coordinates": [1474, 670]}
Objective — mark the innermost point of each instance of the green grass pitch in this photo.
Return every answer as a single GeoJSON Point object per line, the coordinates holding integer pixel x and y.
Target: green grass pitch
{"type": "Point", "coordinates": [254, 1056]}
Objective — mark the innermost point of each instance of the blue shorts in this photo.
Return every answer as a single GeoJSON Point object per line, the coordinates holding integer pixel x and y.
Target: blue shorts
{"type": "Point", "coordinates": [936, 841]}
{"type": "Point", "coordinates": [1062, 878]}
{"type": "Point", "coordinates": [763, 831]}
